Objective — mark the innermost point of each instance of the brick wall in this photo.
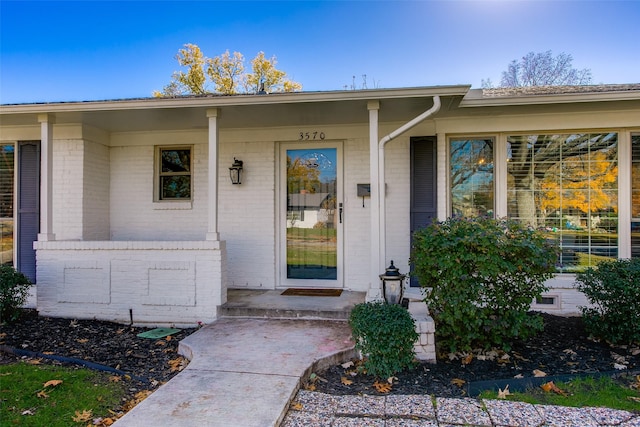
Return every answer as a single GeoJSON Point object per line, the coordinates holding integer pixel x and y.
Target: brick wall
{"type": "Point", "coordinates": [151, 283]}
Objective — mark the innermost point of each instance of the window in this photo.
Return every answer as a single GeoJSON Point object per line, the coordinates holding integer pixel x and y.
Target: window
{"type": "Point", "coordinates": [173, 167]}
{"type": "Point", "coordinates": [635, 196]}
{"type": "Point", "coordinates": [6, 203]}
{"type": "Point", "coordinates": [471, 176]}
{"type": "Point", "coordinates": [567, 185]}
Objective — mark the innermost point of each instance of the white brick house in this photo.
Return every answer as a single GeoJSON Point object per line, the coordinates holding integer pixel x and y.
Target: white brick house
{"type": "Point", "coordinates": [134, 216]}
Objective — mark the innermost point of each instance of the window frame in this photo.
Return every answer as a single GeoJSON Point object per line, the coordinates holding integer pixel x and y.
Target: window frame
{"type": "Point", "coordinates": [620, 137]}
{"type": "Point", "coordinates": [158, 174]}
{"type": "Point", "coordinates": [473, 137]}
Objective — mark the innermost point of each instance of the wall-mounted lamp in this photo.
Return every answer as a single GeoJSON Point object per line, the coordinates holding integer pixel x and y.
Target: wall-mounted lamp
{"type": "Point", "coordinates": [235, 171]}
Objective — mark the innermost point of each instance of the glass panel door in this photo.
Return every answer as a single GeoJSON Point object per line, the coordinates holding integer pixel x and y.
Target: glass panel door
{"type": "Point", "coordinates": [313, 217]}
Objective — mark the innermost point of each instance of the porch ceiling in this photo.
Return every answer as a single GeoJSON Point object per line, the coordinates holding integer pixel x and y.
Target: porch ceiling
{"type": "Point", "coordinates": [300, 109]}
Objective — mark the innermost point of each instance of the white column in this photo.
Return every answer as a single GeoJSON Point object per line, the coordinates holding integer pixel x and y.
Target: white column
{"type": "Point", "coordinates": [624, 195]}
{"type": "Point", "coordinates": [212, 229]}
{"type": "Point", "coordinates": [442, 177]}
{"type": "Point", "coordinates": [375, 291]}
{"type": "Point", "coordinates": [46, 177]}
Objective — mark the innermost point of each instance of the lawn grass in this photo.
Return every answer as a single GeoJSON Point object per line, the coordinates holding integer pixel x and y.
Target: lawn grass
{"type": "Point", "coordinates": [582, 392]}
{"type": "Point", "coordinates": [25, 401]}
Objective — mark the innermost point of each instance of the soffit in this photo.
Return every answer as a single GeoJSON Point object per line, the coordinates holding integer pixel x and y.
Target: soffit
{"type": "Point", "coordinates": [238, 112]}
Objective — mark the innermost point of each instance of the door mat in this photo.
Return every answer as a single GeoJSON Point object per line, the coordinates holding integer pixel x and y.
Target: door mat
{"type": "Point", "coordinates": [308, 292]}
{"type": "Point", "coordinates": [158, 333]}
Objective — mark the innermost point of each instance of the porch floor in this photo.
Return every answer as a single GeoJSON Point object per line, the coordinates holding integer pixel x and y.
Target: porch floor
{"type": "Point", "coordinates": [271, 304]}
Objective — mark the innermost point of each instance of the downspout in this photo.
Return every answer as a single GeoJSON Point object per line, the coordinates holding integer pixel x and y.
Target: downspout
{"type": "Point", "coordinates": [381, 176]}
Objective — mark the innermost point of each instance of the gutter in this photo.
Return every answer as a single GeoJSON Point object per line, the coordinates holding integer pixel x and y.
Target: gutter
{"type": "Point", "coordinates": [382, 204]}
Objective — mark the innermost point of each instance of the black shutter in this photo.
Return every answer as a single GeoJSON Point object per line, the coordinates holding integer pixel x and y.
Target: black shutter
{"type": "Point", "coordinates": [28, 206]}
{"type": "Point", "coordinates": [423, 184]}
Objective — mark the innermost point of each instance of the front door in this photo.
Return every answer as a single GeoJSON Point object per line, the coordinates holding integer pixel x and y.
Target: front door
{"type": "Point", "coordinates": [311, 216]}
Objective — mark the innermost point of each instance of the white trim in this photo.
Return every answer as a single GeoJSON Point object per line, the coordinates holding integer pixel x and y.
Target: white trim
{"type": "Point", "coordinates": [281, 216]}
{"type": "Point", "coordinates": [46, 177]}
{"type": "Point", "coordinates": [624, 194]}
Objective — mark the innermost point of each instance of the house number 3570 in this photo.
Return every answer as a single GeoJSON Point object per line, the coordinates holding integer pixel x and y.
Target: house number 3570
{"type": "Point", "coordinates": [310, 136]}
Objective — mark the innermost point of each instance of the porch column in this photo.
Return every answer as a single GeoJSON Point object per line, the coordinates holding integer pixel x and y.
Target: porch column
{"type": "Point", "coordinates": [212, 228]}
{"type": "Point", "coordinates": [442, 177]}
{"type": "Point", "coordinates": [46, 177]}
{"type": "Point", "coordinates": [376, 190]}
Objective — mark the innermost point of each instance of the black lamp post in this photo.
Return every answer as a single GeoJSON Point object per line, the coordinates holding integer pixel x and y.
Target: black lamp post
{"type": "Point", "coordinates": [392, 284]}
{"type": "Point", "coordinates": [235, 171]}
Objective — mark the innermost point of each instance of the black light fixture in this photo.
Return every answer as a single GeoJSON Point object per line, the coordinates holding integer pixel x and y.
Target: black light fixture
{"type": "Point", "coordinates": [392, 285]}
{"type": "Point", "coordinates": [235, 171]}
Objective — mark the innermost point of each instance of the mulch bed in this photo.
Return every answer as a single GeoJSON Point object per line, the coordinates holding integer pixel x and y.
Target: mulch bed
{"type": "Point", "coordinates": [150, 362]}
{"type": "Point", "coordinates": [563, 348]}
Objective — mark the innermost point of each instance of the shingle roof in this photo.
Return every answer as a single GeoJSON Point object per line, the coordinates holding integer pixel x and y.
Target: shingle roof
{"type": "Point", "coordinates": [556, 90]}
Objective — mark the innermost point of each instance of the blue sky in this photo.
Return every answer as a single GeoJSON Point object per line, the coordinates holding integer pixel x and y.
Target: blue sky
{"type": "Point", "coordinates": [93, 50]}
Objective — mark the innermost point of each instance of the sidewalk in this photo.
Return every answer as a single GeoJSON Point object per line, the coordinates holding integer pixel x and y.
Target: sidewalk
{"type": "Point", "coordinates": [245, 372]}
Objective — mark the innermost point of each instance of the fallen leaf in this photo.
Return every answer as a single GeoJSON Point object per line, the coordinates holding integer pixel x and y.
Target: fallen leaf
{"type": "Point", "coordinates": [619, 366]}
{"type": "Point", "coordinates": [83, 340]}
{"type": "Point", "coordinates": [382, 387]}
{"type": "Point", "coordinates": [466, 360]}
{"type": "Point", "coordinates": [570, 352]}
{"type": "Point", "coordinates": [160, 342]}
{"type": "Point", "coordinates": [635, 351]}
{"type": "Point", "coordinates": [115, 378]}
{"type": "Point", "coordinates": [390, 380]}
{"type": "Point", "coordinates": [168, 338]}
{"type": "Point", "coordinates": [296, 406]}
{"type": "Point", "coordinates": [83, 416]}
{"type": "Point", "coordinates": [74, 323]}
{"type": "Point", "coordinates": [550, 386]}
{"type": "Point", "coordinates": [635, 399]}
{"type": "Point", "coordinates": [310, 387]}
{"type": "Point", "coordinates": [34, 361]}
{"type": "Point", "coordinates": [345, 381]}
{"type": "Point", "coordinates": [120, 331]}
{"type": "Point", "coordinates": [52, 383]}
{"type": "Point", "coordinates": [27, 412]}
{"type": "Point", "coordinates": [42, 394]}
{"type": "Point", "coordinates": [3, 335]}
{"type": "Point", "coordinates": [618, 358]}
{"type": "Point", "coordinates": [347, 365]}
{"type": "Point", "coordinates": [502, 394]}
{"type": "Point", "coordinates": [519, 376]}
{"type": "Point", "coordinates": [177, 364]}
{"type": "Point", "coordinates": [538, 373]}
{"type": "Point", "coordinates": [457, 381]}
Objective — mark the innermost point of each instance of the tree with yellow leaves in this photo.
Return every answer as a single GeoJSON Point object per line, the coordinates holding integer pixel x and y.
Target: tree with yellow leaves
{"type": "Point", "coordinates": [227, 74]}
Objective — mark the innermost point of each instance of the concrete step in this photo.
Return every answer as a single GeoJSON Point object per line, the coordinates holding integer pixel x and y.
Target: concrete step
{"type": "Point", "coordinates": [271, 304]}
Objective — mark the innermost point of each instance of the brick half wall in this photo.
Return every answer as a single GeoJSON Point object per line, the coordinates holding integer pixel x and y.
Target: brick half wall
{"type": "Point", "coordinates": [160, 283]}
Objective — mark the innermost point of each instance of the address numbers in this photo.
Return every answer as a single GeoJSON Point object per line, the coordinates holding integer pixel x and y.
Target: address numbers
{"type": "Point", "coordinates": [310, 136]}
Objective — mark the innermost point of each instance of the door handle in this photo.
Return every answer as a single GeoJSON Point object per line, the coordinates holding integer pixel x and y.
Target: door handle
{"type": "Point", "coordinates": [340, 212]}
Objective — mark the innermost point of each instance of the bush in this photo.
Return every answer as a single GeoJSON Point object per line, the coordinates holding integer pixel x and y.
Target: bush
{"type": "Point", "coordinates": [14, 290]}
{"type": "Point", "coordinates": [481, 275]}
{"type": "Point", "coordinates": [385, 335]}
{"type": "Point", "coordinates": [613, 288]}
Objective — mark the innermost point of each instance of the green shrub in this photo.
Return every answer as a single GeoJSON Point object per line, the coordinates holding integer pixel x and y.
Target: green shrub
{"type": "Point", "coordinates": [14, 290]}
{"type": "Point", "coordinates": [480, 276]}
{"type": "Point", "coordinates": [613, 288]}
{"type": "Point", "coordinates": [385, 335]}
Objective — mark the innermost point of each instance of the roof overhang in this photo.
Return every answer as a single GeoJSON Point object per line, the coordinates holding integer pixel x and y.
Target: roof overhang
{"type": "Point", "coordinates": [476, 98]}
{"type": "Point", "coordinates": [237, 111]}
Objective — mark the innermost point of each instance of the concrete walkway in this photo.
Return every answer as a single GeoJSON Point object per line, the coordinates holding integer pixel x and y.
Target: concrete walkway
{"type": "Point", "coordinates": [243, 372]}
{"type": "Point", "coordinates": [246, 372]}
